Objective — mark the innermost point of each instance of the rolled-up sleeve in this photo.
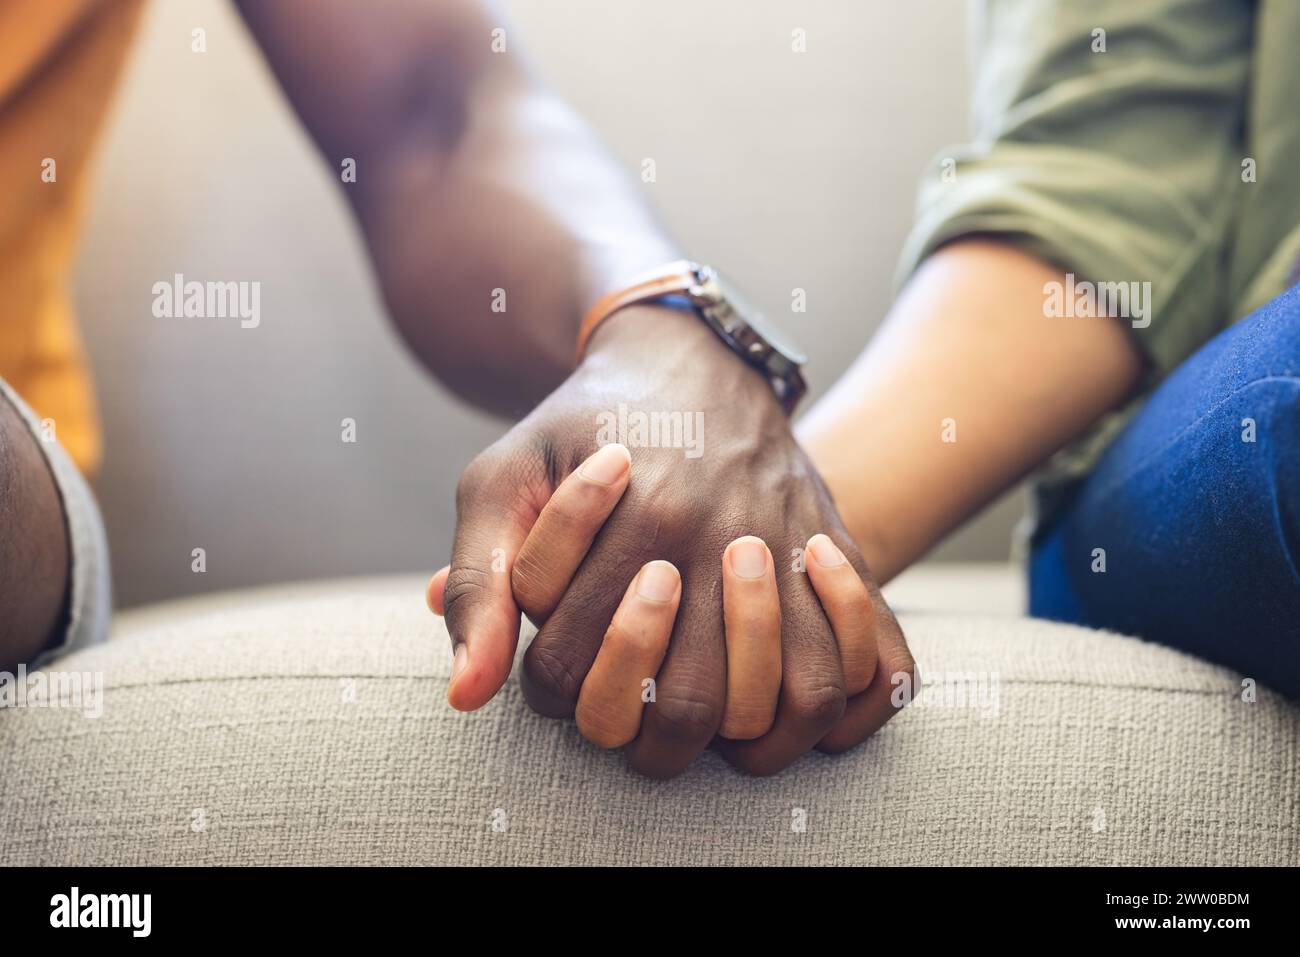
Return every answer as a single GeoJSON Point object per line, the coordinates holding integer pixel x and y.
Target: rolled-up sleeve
{"type": "Point", "coordinates": [1107, 140]}
{"type": "Point", "coordinates": [90, 592]}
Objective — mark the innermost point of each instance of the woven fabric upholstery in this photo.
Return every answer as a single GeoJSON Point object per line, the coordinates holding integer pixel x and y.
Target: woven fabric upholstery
{"type": "Point", "coordinates": [308, 725]}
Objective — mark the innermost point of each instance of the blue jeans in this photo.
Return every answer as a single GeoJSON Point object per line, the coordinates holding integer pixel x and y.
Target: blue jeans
{"type": "Point", "coordinates": [1195, 511]}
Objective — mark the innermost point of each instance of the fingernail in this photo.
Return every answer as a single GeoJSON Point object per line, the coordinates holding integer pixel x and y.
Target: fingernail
{"type": "Point", "coordinates": [461, 659]}
{"type": "Point", "coordinates": [748, 558]}
{"type": "Point", "coordinates": [657, 582]}
{"type": "Point", "coordinates": [607, 465]}
{"type": "Point", "coordinates": [825, 552]}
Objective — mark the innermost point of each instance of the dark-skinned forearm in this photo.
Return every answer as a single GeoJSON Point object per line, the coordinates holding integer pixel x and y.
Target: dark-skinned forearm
{"type": "Point", "coordinates": [494, 216]}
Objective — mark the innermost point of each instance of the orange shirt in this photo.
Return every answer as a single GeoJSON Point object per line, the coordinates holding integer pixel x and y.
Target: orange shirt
{"type": "Point", "coordinates": [59, 62]}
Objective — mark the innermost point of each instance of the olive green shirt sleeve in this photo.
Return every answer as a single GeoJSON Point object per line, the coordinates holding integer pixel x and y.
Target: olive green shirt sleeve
{"type": "Point", "coordinates": [1107, 140]}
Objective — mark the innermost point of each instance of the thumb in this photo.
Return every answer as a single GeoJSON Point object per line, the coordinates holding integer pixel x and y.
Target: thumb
{"type": "Point", "coordinates": [433, 595]}
{"type": "Point", "coordinates": [494, 516]}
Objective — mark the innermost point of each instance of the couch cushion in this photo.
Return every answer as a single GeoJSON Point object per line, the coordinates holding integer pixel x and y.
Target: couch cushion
{"type": "Point", "coordinates": [308, 725]}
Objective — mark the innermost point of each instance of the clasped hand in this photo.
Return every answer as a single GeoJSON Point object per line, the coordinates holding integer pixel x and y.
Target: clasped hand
{"type": "Point", "coordinates": [679, 602]}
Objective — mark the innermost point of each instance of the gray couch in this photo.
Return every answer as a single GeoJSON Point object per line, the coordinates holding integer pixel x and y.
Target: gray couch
{"type": "Point", "coordinates": [307, 724]}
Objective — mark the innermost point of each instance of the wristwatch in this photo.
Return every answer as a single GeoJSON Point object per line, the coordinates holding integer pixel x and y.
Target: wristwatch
{"type": "Point", "coordinates": [708, 295]}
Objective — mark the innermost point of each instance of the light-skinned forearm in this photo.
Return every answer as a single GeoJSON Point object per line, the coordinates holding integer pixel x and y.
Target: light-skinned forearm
{"type": "Point", "coordinates": [493, 214]}
{"type": "Point", "coordinates": [966, 341]}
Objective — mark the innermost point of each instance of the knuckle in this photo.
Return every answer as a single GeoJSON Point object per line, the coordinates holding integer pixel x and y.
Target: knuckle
{"type": "Point", "coordinates": [746, 723]}
{"type": "Point", "coordinates": [688, 717]}
{"type": "Point", "coordinates": [516, 463]}
{"type": "Point", "coordinates": [819, 706]}
{"type": "Point", "coordinates": [638, 636]}
{"type": "Point", "coordinates": [552, 672]}
{"type": "Point", "coordinates": [475, 477]}
{"type": "Point", "coordinates": [464, 584]}
{"type": "Point", "coordinates": [603, 728]}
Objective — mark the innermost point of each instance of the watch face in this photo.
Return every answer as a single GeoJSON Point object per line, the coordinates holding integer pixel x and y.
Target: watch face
{"type": "Point", "coordinates": [758, 322]}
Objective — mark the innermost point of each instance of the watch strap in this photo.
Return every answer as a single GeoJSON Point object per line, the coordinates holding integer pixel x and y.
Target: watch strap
{"type": "Point", "coordinates": [672, 279]}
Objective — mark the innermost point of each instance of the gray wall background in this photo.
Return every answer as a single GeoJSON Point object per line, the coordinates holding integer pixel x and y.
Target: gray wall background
{"type": "Point", "coordinates": [786, 169]}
